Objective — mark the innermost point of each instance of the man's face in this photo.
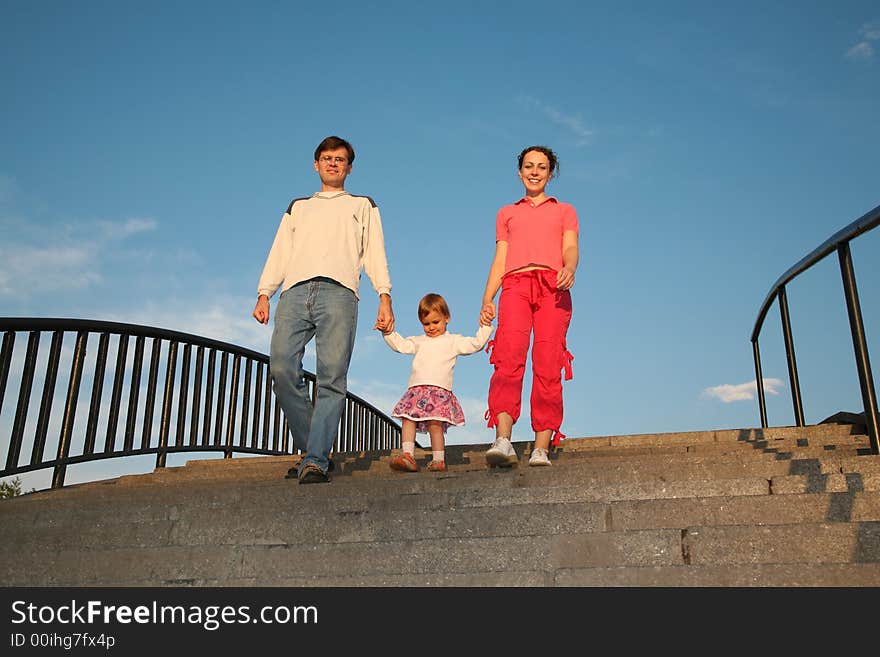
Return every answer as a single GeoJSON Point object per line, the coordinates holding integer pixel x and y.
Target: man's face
{"type": "Point", "coordinates": [333, 167]}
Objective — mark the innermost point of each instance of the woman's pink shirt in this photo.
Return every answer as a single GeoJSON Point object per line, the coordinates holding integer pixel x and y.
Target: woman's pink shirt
{"type": "Point", "coordinates": [534, 233]}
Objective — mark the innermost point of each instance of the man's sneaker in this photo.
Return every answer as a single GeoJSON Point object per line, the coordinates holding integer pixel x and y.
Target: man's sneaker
{"type": "Point", "coordinates": [539, 457]}
{"type": "Point", "coordinates": [501, 454]}
{"type": "Point", "coordinates": [293, 473]}
{"type": "Point", "coordinates": [312, 474]}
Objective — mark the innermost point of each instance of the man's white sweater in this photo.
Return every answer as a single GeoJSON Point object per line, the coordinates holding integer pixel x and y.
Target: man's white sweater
{"type": "Point", "coordinates": [332, 234]}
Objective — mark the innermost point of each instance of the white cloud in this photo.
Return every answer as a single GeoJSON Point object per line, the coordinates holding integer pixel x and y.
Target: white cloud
{"type": "Point", "coordinates": [573, 123]}
{"type": "Point", "coordinates": [35, 257]}
{"type": "Point", "coordinates": [864, 49]}
{"type": "Point", "coordinates": [870, 31]}
{"type": "Point", "coordinates": [26, 269]}
{"type": "Point", "coordinates": [119, 230]}
{"type": "Point", "coordinates": [741, 391]}
{"type": "Point", "coordinates": [227, 319]}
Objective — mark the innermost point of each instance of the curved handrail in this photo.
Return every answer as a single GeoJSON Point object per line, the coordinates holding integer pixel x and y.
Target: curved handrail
{"type": "Point", "coordinates": [227, 408]}
{"type": "Point", "coordinates": [96, 326]}
{"type": "Point", "coordinates": [861, 225]}
{"type": "Point", "coordinates": [839, 242]}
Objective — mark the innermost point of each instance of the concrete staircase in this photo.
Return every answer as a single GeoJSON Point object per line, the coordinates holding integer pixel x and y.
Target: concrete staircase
{"type": "Point", "coordinates": [782, 506]}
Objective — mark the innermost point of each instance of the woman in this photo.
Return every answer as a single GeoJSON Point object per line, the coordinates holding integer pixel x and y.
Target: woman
{"type": "Point", "coordinates": [536, 255]}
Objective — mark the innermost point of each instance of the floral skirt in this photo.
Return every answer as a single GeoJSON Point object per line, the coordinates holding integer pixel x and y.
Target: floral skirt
{"type": "Point", "coordinates": [423, 403]}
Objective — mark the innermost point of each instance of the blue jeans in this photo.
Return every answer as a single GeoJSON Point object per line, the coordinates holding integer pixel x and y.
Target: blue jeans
{"type": "Point", "coordinates": [327, 311]}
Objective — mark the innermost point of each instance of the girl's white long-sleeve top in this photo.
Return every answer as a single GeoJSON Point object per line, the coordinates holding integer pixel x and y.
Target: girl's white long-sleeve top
{"type": "Point", "coordinates": [434, 358]}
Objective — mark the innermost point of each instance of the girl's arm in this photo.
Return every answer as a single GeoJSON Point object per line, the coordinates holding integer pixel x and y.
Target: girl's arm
{"type": "Point", "coordinates": [565, 276]}
{"type": "Point", "coordinates": [493, 282]}
{"type": "Point", "coordinates": [466, 344]}
{"type": "Point", "coordinates": [399, 343]}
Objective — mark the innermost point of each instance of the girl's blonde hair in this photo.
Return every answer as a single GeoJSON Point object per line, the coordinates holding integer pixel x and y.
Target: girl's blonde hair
{"type": "Point", "coordinates": [431, 302]}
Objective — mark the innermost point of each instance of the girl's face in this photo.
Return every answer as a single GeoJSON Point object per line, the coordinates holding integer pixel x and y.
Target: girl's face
{"type": "Point", "coordinates": [434, 324]}
{"type": "Point", "coordinates": [535, 172]}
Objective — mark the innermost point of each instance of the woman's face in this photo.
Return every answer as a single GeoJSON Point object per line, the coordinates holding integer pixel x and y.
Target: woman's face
{"type": "Point", "coordinates": [535, 172]}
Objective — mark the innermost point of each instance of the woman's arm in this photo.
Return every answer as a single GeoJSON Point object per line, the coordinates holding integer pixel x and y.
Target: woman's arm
{"type": "Point", "coordinates": [493, 282]}
{"type": "Point", "coordinates": [570, 255]}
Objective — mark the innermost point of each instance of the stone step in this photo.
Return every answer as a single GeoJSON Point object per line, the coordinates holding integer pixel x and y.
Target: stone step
{"type": "Point", "coordinates": [817, 432]}
{"type": "Point", "coordinates": [819, 543]}
{"type": "Point", "coordinates": [851, 443]}
{"type": "Point", "coordinates": [664, 478]}
{"type": "Point", "coordinates": [798, 506]}
{"type": "Point", "coordinates": [725, 575]}
{"type": "Point", "coordinates": [377, 463]}
{"type": "Point", "coordinates": [266, 514]}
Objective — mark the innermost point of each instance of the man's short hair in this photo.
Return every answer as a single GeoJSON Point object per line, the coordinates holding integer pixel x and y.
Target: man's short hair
{"type": "Point", "coordinates": [331, 144]}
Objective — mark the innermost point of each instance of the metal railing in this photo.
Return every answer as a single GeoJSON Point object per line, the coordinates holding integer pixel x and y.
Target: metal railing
{"type": "Point", "coordinates": [214, 396]}
{"type": "Point", "coordinates": [838, 242]}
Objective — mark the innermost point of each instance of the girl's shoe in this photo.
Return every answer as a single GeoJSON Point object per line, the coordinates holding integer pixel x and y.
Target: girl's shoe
{"type": "Point", "coordinates": [437, 466]}
{"type": "Point", "coordinates": [404, 463]}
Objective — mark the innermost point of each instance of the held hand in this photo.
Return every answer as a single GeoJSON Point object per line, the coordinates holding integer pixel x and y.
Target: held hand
{"type": "Point", "coordinates": [261, 310]}
{"type": "Point", "coordinates": [564, 278]}
{"type": "Point", "coordinates": [487, 313]}
{"type": "Point", "coordinates": [385, 317]}
{"type": "Point", "coordinates": [384, 323]}
{"type": "Point", "coordinates": [386, 326]}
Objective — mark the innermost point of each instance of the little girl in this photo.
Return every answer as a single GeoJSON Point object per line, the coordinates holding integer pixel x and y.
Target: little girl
{"type": "Point", "coordinates": [428, 405]}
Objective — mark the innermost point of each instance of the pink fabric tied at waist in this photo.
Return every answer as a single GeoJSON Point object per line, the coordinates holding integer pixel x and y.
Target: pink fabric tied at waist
{"type": "Point", "coordinates": [567, 358]}
{"type": "Point", "coordinates": [557, 437]}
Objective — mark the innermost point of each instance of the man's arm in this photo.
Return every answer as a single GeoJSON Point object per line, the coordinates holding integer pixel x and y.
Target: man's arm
{"type": "Point", "coordinates": [261, 310]}
{"type": "Point", "coordinates": [273, 271]}
{"type": "Point", "coordinates": [385, 317]}
{"type": "Point", "coordinates": [376, 267]}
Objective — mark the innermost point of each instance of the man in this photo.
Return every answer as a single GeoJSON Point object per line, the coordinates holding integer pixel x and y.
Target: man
{"type": "Point", "coordinates": [321, 246]}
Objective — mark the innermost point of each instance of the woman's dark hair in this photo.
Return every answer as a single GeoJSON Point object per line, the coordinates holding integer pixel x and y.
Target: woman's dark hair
{"type": "Point", "coordinates": [551, 156]}
{"type": "Point", "coordinates": [331, 144]}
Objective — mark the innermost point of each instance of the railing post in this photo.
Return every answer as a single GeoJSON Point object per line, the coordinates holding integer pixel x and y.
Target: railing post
{"type": "Point", "coordinates": [233, 406]}
{"type": "Point", "coordinates": [5, 361]}
{"type": "Point", "coordinates": [789, 354]}
{"type": "Point", "coordinates": [48, 397]}
{"type": "Point", "coordinates": [24, 397]}
{"type": "Point", "coordinates": [167, 402]}
{"type": "Point", "coordinates": [79, 356]}
{"type": "Point", "coordinates": [863, 363]}
{"type": "Point", "coordinates": [759, 381]}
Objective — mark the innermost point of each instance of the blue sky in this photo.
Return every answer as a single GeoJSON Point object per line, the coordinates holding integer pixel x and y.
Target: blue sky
{"type": "Point", "coordinates": [148, 151]}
